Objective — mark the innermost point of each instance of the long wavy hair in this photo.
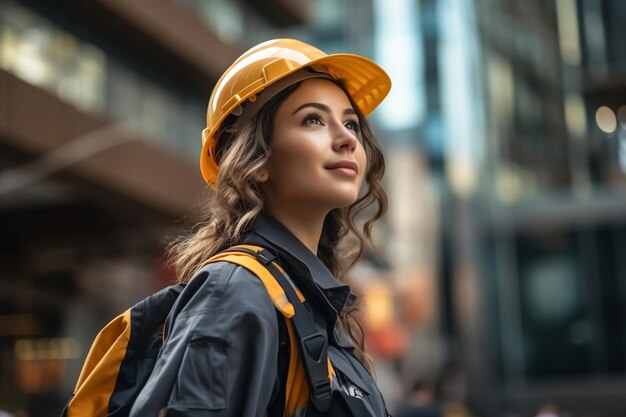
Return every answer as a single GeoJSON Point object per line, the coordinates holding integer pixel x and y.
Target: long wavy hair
{"type": "Point", "coordinates": [243, 149]}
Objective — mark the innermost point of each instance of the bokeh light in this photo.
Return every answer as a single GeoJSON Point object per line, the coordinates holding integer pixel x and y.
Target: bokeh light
{"type": "Point", "coordinates": [606, 120]}
{"type": "Point", "coordinates": [621, 116]}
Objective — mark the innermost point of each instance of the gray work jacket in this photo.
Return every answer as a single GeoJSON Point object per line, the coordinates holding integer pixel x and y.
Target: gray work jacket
{"type": "Point", "coordinates": [223, 349]}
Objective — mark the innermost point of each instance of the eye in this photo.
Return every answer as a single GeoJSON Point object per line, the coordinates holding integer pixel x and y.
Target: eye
{"type": "Point", "coordinates": [313, 119]}
{"type": "Point", "coordinates": [353, 125]}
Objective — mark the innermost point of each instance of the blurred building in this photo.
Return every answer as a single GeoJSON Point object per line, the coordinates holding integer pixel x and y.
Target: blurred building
{"type": "Point", "coordinates": [101, 108]}
{"type": "Point", "coordinates": [538, 286]}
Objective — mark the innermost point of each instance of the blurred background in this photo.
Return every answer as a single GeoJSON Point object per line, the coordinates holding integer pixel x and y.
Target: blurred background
{"type": "Point", "coordinates": [498, 288]}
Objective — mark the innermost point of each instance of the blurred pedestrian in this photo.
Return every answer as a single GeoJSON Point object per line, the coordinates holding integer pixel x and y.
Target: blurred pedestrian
{"type": "Point", "coordinates": [548, 410]}
{"type": "Point", "coordinates": [421, 402]}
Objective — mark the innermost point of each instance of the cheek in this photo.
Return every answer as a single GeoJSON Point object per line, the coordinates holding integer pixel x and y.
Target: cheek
{"type": "Point", "coordinates": [295, 156]}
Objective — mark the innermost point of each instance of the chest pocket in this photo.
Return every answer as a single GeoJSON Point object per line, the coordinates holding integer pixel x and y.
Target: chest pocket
{"type": "Point", "coordinates": [202, 377]}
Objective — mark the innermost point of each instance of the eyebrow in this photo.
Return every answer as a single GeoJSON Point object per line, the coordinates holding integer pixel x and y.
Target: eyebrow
{"type": "Point", "coordinates": [322, 107]}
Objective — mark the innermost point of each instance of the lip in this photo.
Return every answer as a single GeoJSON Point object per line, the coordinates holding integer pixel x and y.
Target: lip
{"type": "Point", "coordinates": [345, 167]}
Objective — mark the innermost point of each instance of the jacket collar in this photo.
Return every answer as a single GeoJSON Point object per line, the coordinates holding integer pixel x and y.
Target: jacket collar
{"type": "Point", "coordinates": [303, 262]}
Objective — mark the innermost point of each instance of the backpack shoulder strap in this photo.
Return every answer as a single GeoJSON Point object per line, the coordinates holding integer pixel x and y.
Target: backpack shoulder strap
{"type": "Point", "coordinates": [246, 256]}
{"type": "Point", "coordinates": [308, 344]}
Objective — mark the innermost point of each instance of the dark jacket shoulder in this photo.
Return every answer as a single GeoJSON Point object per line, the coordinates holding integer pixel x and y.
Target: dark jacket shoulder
{"type": "Point", "coordinates": [224, 287]}
{"type": "Point", "coordinates": [224, 320]}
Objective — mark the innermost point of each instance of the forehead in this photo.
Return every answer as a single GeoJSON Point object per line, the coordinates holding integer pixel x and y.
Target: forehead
{"type": "Point", "coordinates": [319, 90]}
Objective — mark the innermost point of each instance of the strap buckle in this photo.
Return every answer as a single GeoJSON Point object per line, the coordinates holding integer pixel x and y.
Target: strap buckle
{"type": "Point", "coordinates": [315, 352]}
{"type": "Point", "coordinates": [264, 256]}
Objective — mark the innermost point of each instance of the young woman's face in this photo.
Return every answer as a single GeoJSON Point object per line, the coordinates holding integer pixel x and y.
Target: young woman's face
{"type": "Point", "coordinates": [317, 159]}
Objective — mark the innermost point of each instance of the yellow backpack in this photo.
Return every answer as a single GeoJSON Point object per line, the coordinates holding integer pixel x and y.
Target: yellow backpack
{"type": "Point", "coordinates": [123, 354]}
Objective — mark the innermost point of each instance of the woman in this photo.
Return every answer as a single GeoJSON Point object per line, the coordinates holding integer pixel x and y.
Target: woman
{"type": "Point", "coordinates": [286, 149]}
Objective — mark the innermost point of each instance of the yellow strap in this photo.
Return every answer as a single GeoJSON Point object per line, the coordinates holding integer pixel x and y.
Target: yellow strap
{"type": "Point", "coordinates": [248, 261]}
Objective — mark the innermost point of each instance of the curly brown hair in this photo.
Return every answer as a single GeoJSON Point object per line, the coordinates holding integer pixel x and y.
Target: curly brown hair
{"type": "Point", "coordinates": [243, 149]}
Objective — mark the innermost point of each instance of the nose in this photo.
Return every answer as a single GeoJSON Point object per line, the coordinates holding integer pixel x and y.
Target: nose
{"type": "Point", "coordinates": [344, 139]}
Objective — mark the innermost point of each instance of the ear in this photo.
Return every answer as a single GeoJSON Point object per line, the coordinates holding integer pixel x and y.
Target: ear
{"type": "Point", "coordinates": [261, 175]}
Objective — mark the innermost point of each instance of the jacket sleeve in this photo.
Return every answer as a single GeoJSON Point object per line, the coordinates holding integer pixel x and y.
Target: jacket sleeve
{"type": "Point", "coordinates": [220, 356]}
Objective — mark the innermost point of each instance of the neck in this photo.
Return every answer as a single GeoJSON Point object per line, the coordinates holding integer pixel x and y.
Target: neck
{"type": "Point", "coordinates": [307, 227]}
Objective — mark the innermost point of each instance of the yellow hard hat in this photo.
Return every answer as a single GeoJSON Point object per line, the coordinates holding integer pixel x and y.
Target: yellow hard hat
{"type": "Point", "coordinates": [268, 62]}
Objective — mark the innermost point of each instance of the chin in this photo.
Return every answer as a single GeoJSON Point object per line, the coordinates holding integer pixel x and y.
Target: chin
{"type": "Point", "coordinates": [344, 200]}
